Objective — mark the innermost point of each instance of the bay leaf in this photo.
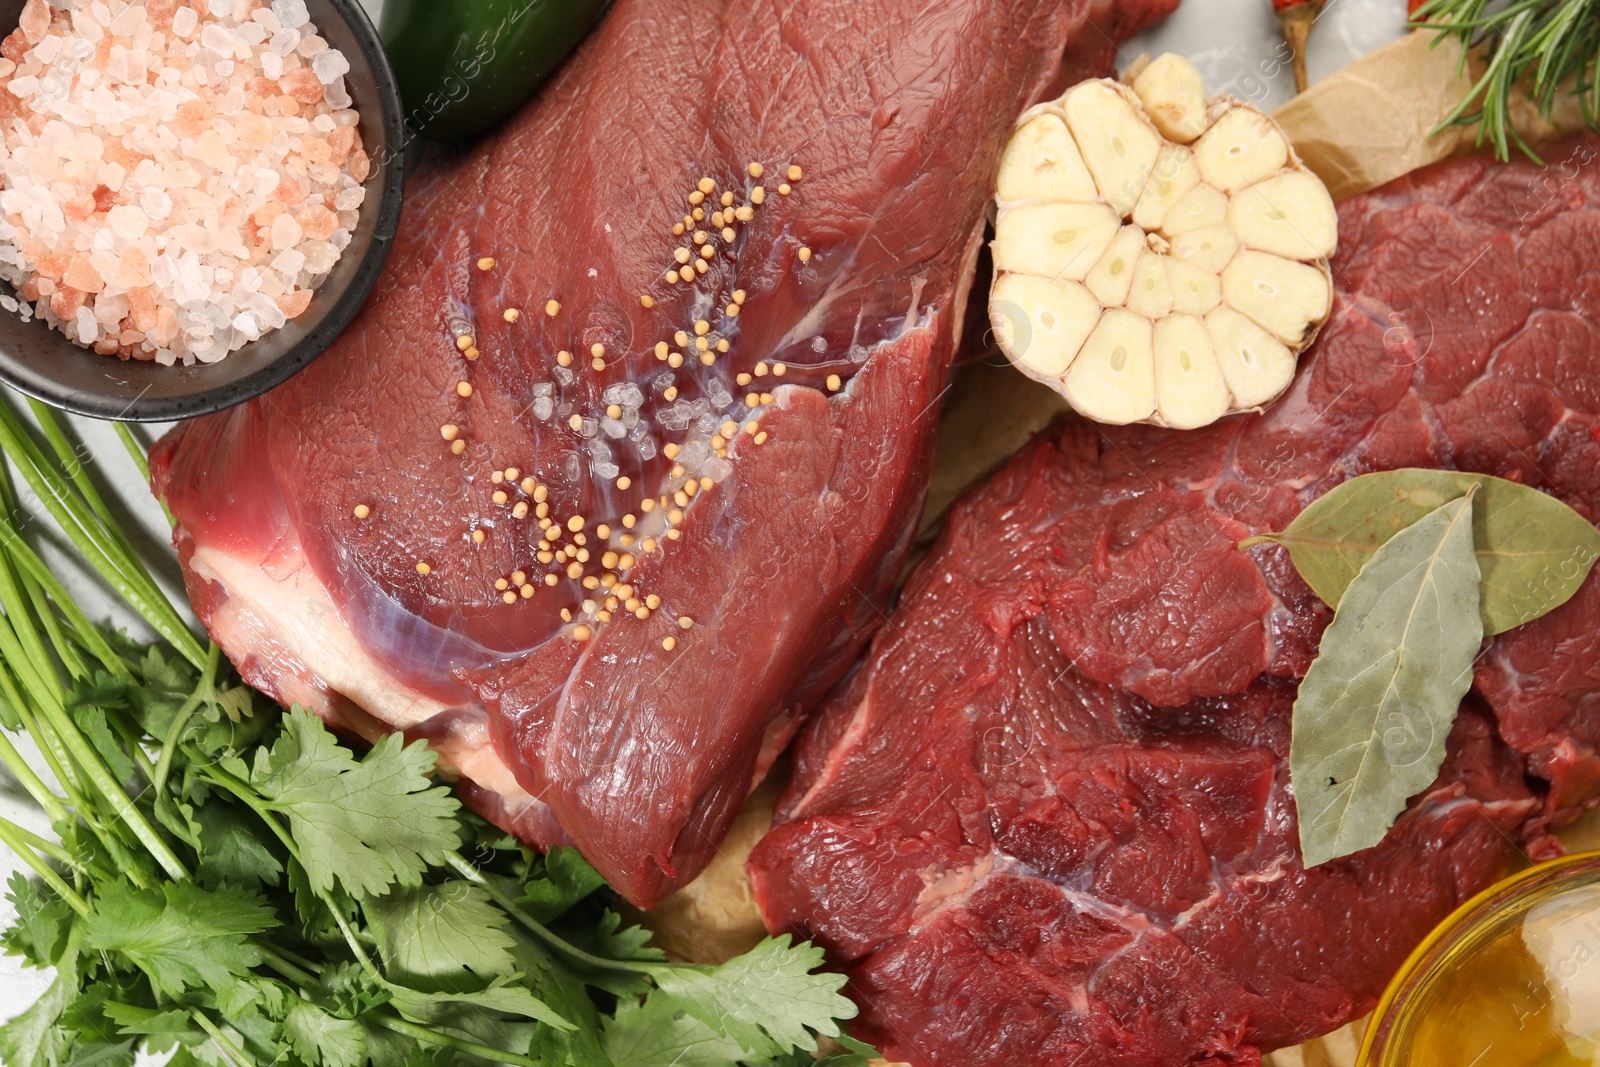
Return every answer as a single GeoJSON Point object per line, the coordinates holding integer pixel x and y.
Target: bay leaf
{"type": "Point", "coordinates": [1534, 552]}
{"type": "Point", "coordinates": [1377, 704]}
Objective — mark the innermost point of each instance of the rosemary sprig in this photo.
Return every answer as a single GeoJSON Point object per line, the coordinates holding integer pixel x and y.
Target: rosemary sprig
{"type": "Point", "coordinates": [1538, 44]}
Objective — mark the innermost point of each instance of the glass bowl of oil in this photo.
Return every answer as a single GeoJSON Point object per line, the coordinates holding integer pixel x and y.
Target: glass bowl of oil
{"type": "Point", "coordinates": [1511, 979]}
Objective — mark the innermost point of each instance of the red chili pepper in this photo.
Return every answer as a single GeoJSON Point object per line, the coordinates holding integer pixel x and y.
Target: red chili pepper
{"type": "Point", "coordinates": [1297, 17]}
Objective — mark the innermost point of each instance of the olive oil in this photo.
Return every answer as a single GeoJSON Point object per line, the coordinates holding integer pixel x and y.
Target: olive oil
{"type": "Point", "coordinates": [1529, 998]}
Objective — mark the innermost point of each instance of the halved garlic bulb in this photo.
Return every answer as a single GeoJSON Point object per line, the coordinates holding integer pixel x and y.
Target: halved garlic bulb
{"type": "Point", "coordinates": [1158, 258]}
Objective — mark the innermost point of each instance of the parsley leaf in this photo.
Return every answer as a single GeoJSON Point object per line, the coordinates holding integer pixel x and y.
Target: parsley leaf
{"type": "Point", "coordinates": [367, 825]}
{"type": "Point", "coordinates": [767, 1000]}
{"type": "Point", "coordinates": [431, 936]}
{"type": "Point", "coordinates": [43, 919]}
{"type": "Point", "coordinates": [181, 936]}
{"type": "Point", "coordinates": [654, 1033]}
{"type": "Point", "coordinates": [319, 1038]}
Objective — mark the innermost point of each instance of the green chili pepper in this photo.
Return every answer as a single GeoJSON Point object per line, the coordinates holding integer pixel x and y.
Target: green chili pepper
{"type": "Point", "coordinates": [463, 65]}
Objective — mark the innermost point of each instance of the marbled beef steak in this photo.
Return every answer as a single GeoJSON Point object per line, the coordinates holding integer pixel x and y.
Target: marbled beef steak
{"type": "Point", "coordinates": [601, 535]}
{"type": "Point", "coordinates": [1048, 822]}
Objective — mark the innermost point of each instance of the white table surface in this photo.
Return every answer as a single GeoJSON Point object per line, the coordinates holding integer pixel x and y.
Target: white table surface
{"type": "Point", "coordinates": [1235, 43]}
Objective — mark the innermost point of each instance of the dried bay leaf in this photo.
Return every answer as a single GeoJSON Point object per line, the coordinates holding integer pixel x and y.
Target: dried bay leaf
{"type": "Point", "coordinates": [1376, 706]}
{"type": "Point", "coordinates": [1534, 552]}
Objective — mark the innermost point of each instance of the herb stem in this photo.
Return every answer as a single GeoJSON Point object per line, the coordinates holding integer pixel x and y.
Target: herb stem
{"type": "Point", "coordinates": [266, 815]}
{"type": "Point", "coordinates": [12, 836]}
{"type": "Point", "coordinates": [53, 806]}
{"type": "Point", "coordinates": [136, 452]}
{"type": "Point", "coordinates": [1545, 48]}
{"type": "Point", "coordinates": [88, 760]}
{"type": "Point", "coordinates": [229, 1051]}
{"type": "Point", "coordinates": [100, 546]}
{"type": "Point", "coordinates": [434, 1037]}
{"type": "Point", "coordinates": [286, 963]}
{"type": "Point", "coordinates": [538, 929]}
{"type": "Point", "coordinates": [180, 721]}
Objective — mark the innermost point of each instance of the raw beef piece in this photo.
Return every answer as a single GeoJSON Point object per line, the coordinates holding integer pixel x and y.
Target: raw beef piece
{"type": "Point", "coordinates": [569, 717]}
{"type": "Point", "coordinates": [1048, 820]}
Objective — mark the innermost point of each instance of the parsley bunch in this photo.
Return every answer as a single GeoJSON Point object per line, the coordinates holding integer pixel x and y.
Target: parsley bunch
{"type": "Point", "coordinates": [237, 887]}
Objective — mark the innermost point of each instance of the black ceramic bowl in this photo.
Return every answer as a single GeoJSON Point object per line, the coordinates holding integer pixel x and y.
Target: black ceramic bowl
{"type": "Point", "coordinates": [41, 362]}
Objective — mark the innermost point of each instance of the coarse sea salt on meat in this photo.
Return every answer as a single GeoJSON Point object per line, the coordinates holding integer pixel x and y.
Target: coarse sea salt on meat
{"type": "Point", "coordinates": [176, 178]}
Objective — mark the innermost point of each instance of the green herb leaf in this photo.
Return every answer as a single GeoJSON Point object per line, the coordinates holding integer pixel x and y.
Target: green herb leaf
{"type": "Point", "coordinates": [171, 1025]}
{"type": "Point", "coordinates": [568, 878]}
{"type": "Point", "coordinates": [654, 1033]}
{"type": "Point", "coordinates": [181, 936]}
{"type": "Point", "coordinates": [233, 849]}
{"type": "Point", "coordinates": [855, 1054]}
{"type": "Point", "coordinates": [33, 1038]}
{"type": "Point", "coordinates": [319, 1038]}
{"type": "Point", "coordinates": [767, 1000]}
{"type": "Point", "coordinates": [422, 1006]}
{"type": "Point", "coordinates": [1534, 552]}
{"type": "Point", "coordinates": [92, 721]}
{"type": "Point", "coordinates": [99, 1043]}
{"type": "Point", "coordinates": [1373, 713]}
{"type": "Point", "coordinates": [43, 920]}
{"type": "Point", "coordinates": [367, 825]}
{"type": "Point", "coordinates": [430, 937]}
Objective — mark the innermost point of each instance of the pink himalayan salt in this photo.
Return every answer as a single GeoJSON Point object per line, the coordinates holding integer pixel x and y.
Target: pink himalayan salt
{"type": "Point", "coordinates": [35, 20]}
{"type": "Point", "coordinates": [232, 113]}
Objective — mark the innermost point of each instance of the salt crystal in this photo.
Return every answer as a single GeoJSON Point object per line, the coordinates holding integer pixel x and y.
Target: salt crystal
{"type": "Point", "coordinates": [35, 21]}
{"type": "Point", "coordinates": [291, 12]}
{"type": "Point", "coordinates": [128, 21]}
{"type": "Point", "coordinates": [88, 328]}
{"type": "Point", "coordinates": [543, 406]}
{"type": "Point", "coordinates": [647, 449]}
{"type": "Point", "coordinates": [46, 51]}
{"type": "Point", "coordinates": [320, 256]}
{"type": "Point", "coordinates": [220, 8]}
{"type": "Point", "coordinates": [349, 199]}
{"type": "Point", "coordinates": [613, 428]}
{"type": "Point", "coordinates": [312, 45]}
{"type": "Point", "coordinates": [290, 261]}
{"type": "Point", "coordinates": [267, 19]}
{"type": "Point", "coordinates": [156, 203]}
{"type": "Point", "coordinates": [284, 41]}
{"type": "Point", "coordinates": [286, 233]}
{"type": "Point", "coordinates": [127, 222]}
{"type": "Point", "coordinates": [330, 65]}
{"type": "Point", "coordinates": [340, 240]}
